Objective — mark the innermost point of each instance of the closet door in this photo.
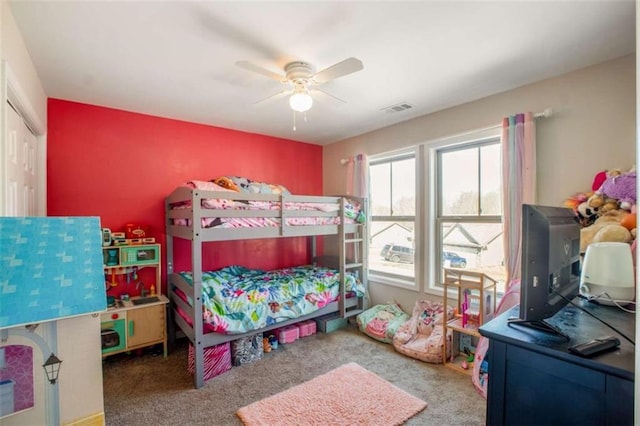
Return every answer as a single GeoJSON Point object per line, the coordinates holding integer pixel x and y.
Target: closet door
{"type": "Point", "coordinates": [19, 180]}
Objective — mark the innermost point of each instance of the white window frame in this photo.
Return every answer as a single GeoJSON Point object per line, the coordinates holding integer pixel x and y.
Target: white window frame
{"type": "Point", "coordinates": [426, 258]}
{"type": "Point", "coordinates": [393, 279]}
{"type": "Point", "coordinates": [433, 264]}
{"type": "Point", "coordinates": [441, 218]}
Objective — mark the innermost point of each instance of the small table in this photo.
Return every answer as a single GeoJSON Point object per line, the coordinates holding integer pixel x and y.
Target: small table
{"type": "Point", "coordinates": [534, 380]}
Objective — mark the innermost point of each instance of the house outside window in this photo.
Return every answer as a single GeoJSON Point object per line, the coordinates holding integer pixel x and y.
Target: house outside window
{"type": "Point", "coordinates": [392, 236]}
{"type": "Point", "coordinates": [438, 204]}
{"type": "Point", "coordinates": [469, 208]}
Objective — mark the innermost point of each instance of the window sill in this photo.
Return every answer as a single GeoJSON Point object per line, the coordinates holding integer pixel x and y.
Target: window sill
{"type": "Point", "coordinates": [404, 283]}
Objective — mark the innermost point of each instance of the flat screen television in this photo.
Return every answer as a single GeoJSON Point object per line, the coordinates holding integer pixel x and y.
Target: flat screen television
{"type": "Point", "coordinates": [550, 265]}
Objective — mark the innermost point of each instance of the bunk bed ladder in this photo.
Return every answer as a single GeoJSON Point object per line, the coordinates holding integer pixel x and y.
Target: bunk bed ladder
{"type": "Point", "coordinates": [352, 252]}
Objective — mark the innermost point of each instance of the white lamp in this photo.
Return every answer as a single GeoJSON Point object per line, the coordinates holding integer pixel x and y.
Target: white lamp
{"type": "Point", "coordinates": [607, 273]}
{"type": "Point", "coordinates": [301, 101]}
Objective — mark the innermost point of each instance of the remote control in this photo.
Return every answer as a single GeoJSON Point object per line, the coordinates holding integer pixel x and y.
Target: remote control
{"type": "Point", "coordinates": [595, 346]}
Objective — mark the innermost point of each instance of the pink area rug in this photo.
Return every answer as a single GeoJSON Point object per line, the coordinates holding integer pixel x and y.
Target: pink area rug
{"type": "Point", "coordinates": [348, 395]}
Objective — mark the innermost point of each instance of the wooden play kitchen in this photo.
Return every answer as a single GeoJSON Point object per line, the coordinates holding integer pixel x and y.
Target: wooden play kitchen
{"type": "Point", "coordinates": [133, 326]}
{"type": "Point", "coordinates": [133, 322]}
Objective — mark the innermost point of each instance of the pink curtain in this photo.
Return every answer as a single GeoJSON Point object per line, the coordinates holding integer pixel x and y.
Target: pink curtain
{"type": "Point", "coordinates": [518, 184]}
{"type": "Point", "coordinates": [357, 182]}
{"type": "Point", "coordinates": [518, 187]}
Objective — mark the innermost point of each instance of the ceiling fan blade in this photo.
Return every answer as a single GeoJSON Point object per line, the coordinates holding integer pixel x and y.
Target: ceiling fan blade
{"type": "Point", "coordinates": [348, 66]}
{"type": "Point", "coordinates": [326, 97]}
{"type": "Point", "coordinates": [265, 72]}
{"type": "Point", "coordinates": [275, 96]}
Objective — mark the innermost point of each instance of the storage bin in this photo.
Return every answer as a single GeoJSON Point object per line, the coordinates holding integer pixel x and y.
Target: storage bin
{"type": "Point", "coordinates": [306, 328]}
{"type": "Point", "coordinates": [288, 334]}
{"type": "Point", "coordinates": [217, 360]}
{"type": "Point", "coordinates": [247, 349]}
{"type": "Point", "coordinates": [330, 322]}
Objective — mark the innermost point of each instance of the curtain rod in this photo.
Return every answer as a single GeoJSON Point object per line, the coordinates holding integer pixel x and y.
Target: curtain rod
{"type": "Point", "coordinates": [548, 112]}
{"type": "Point", "coordinates": [344, 161]}
{"type": "Point", "coordinates": [545, 113]}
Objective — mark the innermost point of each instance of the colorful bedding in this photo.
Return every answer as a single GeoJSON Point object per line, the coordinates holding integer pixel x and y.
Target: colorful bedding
{"type": "Point", "coordinates": [238, 300]}
{"type": "Point", "coordinates": [353, 210]}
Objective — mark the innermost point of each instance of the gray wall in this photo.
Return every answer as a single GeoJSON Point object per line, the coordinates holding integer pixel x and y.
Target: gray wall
{"type": "Point", "coordinates": [593, 127]}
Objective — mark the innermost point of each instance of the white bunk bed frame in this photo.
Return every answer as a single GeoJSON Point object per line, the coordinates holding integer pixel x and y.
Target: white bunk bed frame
{"type": "Point", "coordinates": [351, 242]}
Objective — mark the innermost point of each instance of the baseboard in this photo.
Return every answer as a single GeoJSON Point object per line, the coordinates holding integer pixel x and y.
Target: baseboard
{"type": "Point", "coordinates": [92, 420]}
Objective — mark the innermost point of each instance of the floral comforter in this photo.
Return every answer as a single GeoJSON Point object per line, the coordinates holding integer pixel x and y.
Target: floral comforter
{"type": "Point", "coordinates": [237, 299]}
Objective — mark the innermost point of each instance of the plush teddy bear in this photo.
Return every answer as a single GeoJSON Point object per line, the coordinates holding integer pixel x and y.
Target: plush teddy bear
{"type": "Point", "coordinates": [585, 213]}
{"type": "Point", "coordinates": [601, 204]}
{"type": "Point", "coordinates": [607, 228]}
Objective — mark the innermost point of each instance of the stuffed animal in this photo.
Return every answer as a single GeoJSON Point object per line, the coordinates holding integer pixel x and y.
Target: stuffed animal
{"type": "Point", "coordinates": [226, 182]}
{"type": "Point", "coordinates": [576, 199]}
{"type": "Point", "coordinates": [586, 215]}
{"type": "Point", "coordinates": [601, 204]}
{"type": "Point", "coordinates": [609, 213]}
{"type": "Point", "coordinates": [621, 187]}
{"type": "Point", "coordinates": [598, 180]}
{"type": "Point", "coordinates": [607, 228]}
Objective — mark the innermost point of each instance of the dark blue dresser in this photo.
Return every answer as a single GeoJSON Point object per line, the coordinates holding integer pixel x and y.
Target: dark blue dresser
{"type": "Point", "coordinates": [534, 380]}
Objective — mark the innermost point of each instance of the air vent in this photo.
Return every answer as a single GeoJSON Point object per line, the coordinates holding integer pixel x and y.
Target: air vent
{"type": "Point", "coordinates": [402, 106]}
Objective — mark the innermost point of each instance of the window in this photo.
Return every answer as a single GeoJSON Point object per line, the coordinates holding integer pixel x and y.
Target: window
{"type": "Point", "coordinates": [469, 208]}
{"type": "Point", "coordinates": [393, 216]}
{"type": "Point", "coordinates": [438, 204]}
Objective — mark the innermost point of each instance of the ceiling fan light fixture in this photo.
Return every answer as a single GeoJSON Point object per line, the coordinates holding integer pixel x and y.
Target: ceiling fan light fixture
{"type": "Point", "coordinates": [301, 102]}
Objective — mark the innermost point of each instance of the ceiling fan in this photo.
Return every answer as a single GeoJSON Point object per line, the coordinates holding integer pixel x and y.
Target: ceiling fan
{"type": "Point", "coordinates": [302, 80]}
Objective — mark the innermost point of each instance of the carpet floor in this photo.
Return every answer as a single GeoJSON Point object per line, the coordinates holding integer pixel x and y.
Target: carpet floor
{"type": "Point", "coordinates": [153, 390]}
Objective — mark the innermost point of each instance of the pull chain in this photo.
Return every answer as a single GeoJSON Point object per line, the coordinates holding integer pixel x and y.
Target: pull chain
{"type": "Point", "coordinates": [304, 117]}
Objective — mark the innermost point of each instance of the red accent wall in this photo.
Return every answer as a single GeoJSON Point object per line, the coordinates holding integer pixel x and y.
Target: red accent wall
{"type": "Point", "coordinates": [120, 165]}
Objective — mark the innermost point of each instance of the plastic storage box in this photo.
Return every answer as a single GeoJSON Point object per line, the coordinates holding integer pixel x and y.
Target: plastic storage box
{"type": "Point", "coordinates": [288, 334]}
{"type": "Point", "coordinates": [330, 322]}
{"type": "Point", "coordinates": [306, 328]}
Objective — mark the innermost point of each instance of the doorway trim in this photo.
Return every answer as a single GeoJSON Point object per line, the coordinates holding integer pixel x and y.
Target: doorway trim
{"type": "Point", "coordinates": [11, 92]}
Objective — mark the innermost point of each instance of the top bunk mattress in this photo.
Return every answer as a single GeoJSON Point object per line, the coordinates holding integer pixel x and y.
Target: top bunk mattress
{"type": "Point", "coordinates": [226, 204]}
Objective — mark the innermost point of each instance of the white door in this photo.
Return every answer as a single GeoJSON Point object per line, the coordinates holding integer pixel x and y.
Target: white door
{"type": "Point", "coordinates": [20, 179]}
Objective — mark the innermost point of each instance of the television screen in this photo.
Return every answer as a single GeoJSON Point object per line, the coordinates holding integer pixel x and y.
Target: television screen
{"type": "Point", "coordinates": [550, 264]}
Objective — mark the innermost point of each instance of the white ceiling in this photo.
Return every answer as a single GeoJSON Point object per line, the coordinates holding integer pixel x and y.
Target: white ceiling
{"type": "Point", "coordinates": [177, 59]}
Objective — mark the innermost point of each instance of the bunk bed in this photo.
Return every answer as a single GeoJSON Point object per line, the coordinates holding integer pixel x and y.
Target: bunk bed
{"type": "Point", "coordinates": [201, 212]}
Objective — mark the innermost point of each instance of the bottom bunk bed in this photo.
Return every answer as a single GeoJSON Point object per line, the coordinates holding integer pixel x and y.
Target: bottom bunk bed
{"type": "Point", "coordinates": [236, 302]}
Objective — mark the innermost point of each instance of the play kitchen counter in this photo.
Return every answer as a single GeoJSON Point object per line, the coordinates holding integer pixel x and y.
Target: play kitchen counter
{"type": "Point", "coordinates": [133, 324]}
